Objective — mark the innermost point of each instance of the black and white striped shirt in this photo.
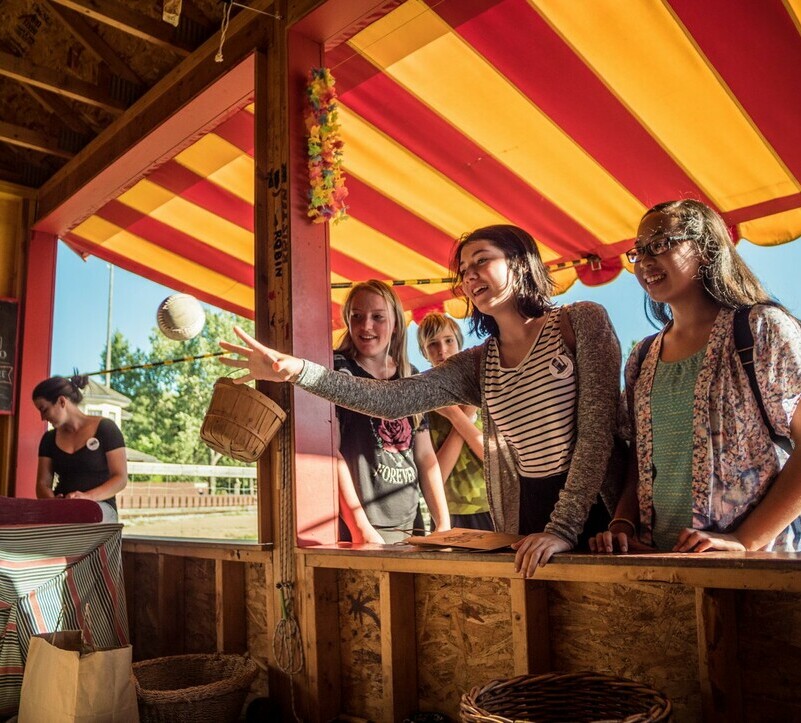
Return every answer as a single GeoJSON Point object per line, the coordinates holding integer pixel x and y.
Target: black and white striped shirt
{"type": "Point", "coordinates": [534, 403]}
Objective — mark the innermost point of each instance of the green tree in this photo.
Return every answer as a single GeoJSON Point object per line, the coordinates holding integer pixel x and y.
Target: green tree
{"type": "Point", "coordinates": [168, 402]}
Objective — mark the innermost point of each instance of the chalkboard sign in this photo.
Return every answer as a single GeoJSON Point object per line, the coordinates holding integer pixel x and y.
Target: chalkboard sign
{"type": "Point", "coordinates": [8, 353]}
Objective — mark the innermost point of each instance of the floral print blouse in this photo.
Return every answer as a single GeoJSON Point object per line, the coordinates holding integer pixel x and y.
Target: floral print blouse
{"type": "Point", "coordinates": [734, 460]}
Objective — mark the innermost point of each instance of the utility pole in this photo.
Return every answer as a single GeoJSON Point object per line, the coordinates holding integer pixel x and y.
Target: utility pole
{"type": "Point", "coordinates": [108, 323]}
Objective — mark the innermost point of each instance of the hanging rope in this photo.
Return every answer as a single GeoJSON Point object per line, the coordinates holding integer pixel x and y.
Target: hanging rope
{"type": "Point", "coordinates": [593, 261]}
{"type": "Point", "coordinates": [287, 644]}
{"type": "Point", "coordinates": [226, 20]}
{"type": "Point", "coordinates": [150, 365]}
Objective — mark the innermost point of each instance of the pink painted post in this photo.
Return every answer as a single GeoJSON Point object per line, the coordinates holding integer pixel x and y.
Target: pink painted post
{"type": "Point", "coordinates": [34, 361]}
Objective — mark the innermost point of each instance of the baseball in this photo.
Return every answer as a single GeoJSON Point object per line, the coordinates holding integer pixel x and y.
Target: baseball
{"type": "Point", "coordinates": [180, 317]}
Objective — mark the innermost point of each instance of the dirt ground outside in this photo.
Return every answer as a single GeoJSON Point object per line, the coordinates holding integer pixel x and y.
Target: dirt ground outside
{"type": "Point", "coordinates": [237, 524]}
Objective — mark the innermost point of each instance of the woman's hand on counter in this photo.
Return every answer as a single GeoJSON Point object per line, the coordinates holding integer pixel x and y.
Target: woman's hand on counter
{"type": "Point", "coordinates": [535, 550]}
{"type": "Point", "coordinates": [705, 541]}
{"type": "Point", "coordinates": [617, 541]}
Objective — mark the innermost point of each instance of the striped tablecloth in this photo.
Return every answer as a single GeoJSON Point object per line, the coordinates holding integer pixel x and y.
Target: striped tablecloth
{"type": "Point", "coordinates": [48, 573]}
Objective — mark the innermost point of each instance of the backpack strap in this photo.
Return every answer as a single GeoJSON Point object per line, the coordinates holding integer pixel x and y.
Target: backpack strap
{"type": "Point", "coordinates": [744, 343]}
{"type": "Point", "coordinates": [644, 347]}
{"type": "Point", "coordinates": [566, 328]}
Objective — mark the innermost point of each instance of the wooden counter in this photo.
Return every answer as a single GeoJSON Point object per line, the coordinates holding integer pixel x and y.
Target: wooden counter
{"type": "Point", "coordinates": [731, 570]}
{"type": "Point", "coordinates": [390, 630]}
{"type": "Point", "coordinates": [417, 627]}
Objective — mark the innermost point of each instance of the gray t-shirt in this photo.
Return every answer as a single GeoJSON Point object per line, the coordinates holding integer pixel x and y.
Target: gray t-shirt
{"type": "Point", "coordinates": [380, 456]}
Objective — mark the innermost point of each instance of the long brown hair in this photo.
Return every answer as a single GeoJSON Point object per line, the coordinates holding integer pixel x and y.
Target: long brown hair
{"type": "Point", "coordinates": [725, 276]}
{"type": "Point", "coordinates": [397, 343]}
{"type": "Point", "coordinates": [531, 282]}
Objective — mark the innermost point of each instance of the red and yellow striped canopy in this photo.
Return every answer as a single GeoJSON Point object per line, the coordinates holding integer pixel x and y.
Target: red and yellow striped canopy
{"type": "Point", "coordinates": [567, 118]}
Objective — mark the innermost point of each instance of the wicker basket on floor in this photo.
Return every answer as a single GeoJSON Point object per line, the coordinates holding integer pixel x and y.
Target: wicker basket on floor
{"type": "Point", "coordinates": [578, 697]}
{"type": "Point", "coordinates": [197, 688]}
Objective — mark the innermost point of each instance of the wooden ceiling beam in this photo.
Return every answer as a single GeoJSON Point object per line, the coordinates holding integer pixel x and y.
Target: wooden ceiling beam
{"type": "Point", "coordinates": [60, 109]}
{"type": "Point", "coordinates": [118, 15]}
{"type": "Point", "coordinates": [27, 138]}
{"type": "Point", "coordinates": [23, 71]}
{"type": "Point", "coordinates": [92, 42]}
{"type": "Point", "coordinates": [10, 175]}
{"type": "Point", "coordinates": [116, 156]}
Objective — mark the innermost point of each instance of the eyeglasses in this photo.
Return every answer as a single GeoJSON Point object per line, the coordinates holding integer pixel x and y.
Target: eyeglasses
{"type": "Point", "coordinates": [657, 247]}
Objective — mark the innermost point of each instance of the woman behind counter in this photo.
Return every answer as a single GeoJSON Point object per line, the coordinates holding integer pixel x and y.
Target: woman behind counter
{"type": "Point", "coordinates": [87, 453]}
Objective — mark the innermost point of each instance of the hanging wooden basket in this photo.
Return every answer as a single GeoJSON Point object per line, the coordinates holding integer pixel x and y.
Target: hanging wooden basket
{"type": "Point", "coordinates": [240, 422]}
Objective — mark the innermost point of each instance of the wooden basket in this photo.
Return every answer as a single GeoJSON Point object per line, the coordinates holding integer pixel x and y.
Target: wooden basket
{"type": "Point", "coordinates": [198, 688]}
{"type": "Point", "coordinates": [240, 421]}
{"type": "Point", "coordinates": [580, 697]}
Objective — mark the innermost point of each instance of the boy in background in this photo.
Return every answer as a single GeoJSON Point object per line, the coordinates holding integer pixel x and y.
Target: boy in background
{"type": "Point", "coordinates": [456, 432]}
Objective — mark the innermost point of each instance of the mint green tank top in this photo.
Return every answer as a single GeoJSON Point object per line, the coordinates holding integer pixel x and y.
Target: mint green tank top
{"type": "Point", "coordinates": [672, 418]}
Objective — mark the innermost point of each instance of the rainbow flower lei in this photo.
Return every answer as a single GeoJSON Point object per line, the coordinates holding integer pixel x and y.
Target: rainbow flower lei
{"type": "Point", "coordinates": [327, 190]}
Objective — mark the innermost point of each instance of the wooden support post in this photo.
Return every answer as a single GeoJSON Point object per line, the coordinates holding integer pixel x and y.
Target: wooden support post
{"type": "Point", "coordinates": [530, 626]}
{"type": "Point", "coordinates": [35, 343]}
{"type": "Point", "coordinates": [321, 635]}
{"type": "Point", "coordinates": [171, 604]}
{"type": "Point", "coordinates": [398, 645]}
{"type": "Point", "coordinates": [721, 692]}
{"type": "Point", "coordinates": [229, 606]}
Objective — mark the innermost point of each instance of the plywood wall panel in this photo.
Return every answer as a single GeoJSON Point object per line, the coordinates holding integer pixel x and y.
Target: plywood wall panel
{"type": "Point", "coordinates": [769, 627]}
{"type": "Point", "coordinates": [464, 637]}
{"type": "Point", "coordinates": [360, 634]}
{"type": "Point", "coordinates": [258, 593]}
{"type": "Point", "coordinates": [645, 632]}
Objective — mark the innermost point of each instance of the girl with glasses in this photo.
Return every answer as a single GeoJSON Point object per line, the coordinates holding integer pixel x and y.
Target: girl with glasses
{"type": "Point", "coordinates": [546, 381]}
{"type": "Point", "coordinates": [714, 464]}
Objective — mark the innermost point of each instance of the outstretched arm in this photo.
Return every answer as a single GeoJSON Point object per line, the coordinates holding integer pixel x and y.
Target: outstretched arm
{"type": "Point", "coordinates": [449, 383]}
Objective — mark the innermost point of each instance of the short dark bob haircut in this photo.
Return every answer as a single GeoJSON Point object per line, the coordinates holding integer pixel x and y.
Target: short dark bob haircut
{"type": "Point", "coordinates": [531, 283]}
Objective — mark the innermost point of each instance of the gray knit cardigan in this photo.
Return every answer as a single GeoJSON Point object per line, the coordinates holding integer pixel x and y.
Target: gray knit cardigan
{"type": "Point", "coordinates": [597, 360]}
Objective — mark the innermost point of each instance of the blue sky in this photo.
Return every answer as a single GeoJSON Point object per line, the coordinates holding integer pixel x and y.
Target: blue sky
{"type": "Point", "coordinates": [82, 299]}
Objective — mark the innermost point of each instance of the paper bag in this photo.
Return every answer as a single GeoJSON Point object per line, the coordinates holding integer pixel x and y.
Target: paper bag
{"type": "Point", "coordinates": [67, 682]}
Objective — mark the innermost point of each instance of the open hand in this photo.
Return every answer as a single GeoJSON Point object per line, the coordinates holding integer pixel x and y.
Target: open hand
{"type": "Point", "coordinates": [260, 361]}
{"type": "Point", "coordinates": [535, 550]}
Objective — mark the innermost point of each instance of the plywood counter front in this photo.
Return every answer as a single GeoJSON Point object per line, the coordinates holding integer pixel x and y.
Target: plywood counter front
{"type": "Point", "coordinates": [389, 630]}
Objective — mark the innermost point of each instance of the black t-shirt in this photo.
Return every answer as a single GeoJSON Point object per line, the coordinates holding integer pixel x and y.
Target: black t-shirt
{"type": "Point", "coordinates": [87, 467]}
{"type": "Point", "coordinates": [380, 456]}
